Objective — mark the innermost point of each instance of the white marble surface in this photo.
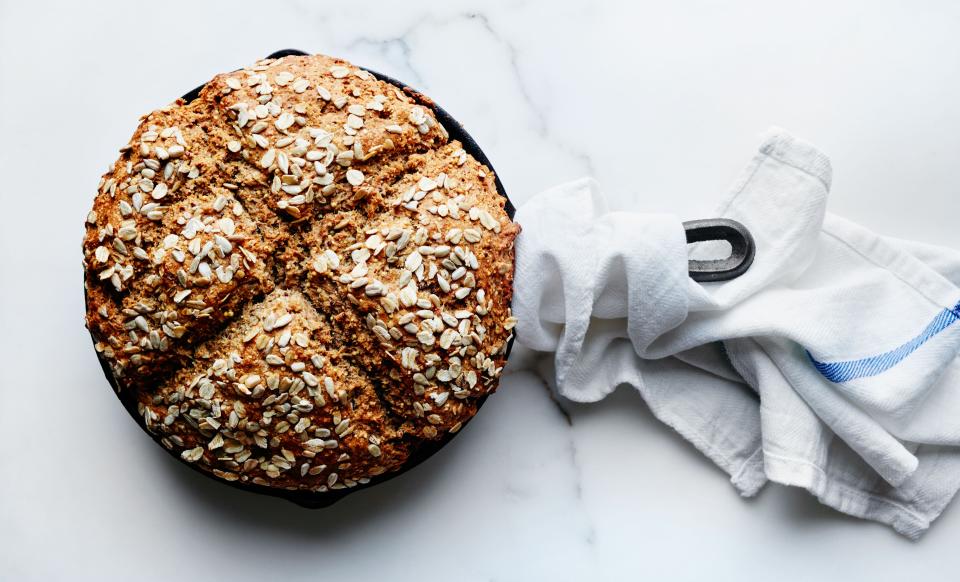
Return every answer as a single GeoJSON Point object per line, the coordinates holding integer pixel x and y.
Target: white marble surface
{"type": "Point", "coordinates": [662, 102]}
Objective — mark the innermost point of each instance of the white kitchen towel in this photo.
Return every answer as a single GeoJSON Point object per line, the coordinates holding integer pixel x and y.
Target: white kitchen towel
{"type": "Point", "coordinates": [831, 364]}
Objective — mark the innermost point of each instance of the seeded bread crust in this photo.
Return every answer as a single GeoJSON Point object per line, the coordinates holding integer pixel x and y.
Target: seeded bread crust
{"type": "Point", "coordinates": [297, 278]}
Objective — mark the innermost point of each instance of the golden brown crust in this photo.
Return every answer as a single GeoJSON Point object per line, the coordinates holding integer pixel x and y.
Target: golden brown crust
{"type": "Point", "coordinates": [297, 278]}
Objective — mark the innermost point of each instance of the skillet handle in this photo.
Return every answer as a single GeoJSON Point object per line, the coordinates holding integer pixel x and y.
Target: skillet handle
{"type": "Point", "coordinates": [742, 249]}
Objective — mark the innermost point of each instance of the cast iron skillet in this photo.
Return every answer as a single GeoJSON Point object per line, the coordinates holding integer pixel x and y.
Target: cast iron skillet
{"type": "Point", "coordinates": [736, 264]}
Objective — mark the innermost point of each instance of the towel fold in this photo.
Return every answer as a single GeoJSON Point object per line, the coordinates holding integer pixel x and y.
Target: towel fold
{"type": "Point", "coordinates": [831, 364]}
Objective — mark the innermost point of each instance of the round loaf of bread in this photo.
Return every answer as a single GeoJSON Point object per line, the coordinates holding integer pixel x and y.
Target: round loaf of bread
{"type": "Point", "coordinates": [297, 280]}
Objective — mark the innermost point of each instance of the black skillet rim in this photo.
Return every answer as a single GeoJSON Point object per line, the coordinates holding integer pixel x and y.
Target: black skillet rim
{"type": "Point", "coordinates": [312, 499]}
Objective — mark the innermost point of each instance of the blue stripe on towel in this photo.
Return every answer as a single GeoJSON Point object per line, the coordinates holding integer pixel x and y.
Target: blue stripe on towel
{"type": "Point", "coordinates": [849, 370]}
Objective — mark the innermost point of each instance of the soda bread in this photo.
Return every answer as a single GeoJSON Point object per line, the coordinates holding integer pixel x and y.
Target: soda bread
{"type": "Point", "coordinates": [297, 279]}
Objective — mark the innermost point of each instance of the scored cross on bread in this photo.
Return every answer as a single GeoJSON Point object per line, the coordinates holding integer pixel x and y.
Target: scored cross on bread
{"type": "Point", "coordinates": [298, 278]}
